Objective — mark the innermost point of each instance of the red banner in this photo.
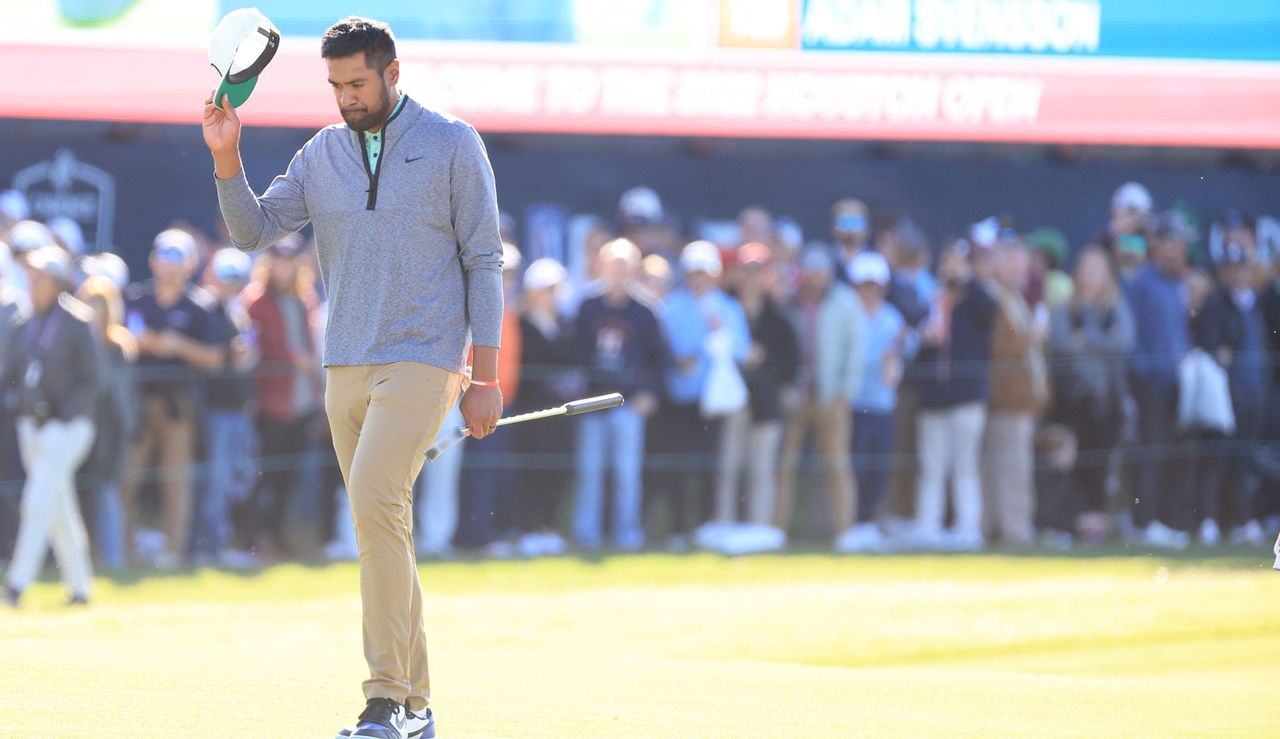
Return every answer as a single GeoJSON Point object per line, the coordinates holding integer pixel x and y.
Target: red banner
{"type": "Point", "coordinates": [556, 89]}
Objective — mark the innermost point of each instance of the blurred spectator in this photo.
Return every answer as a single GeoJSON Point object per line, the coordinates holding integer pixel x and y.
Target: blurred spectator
{"type": "Point", "coordinates": [115, 418]}
{"type": "Point", "coordinates": [1091, 337]}
{"type": "Point", "coordinates": [888, 343]}
{"type": "Point", "coordinates": [13, 208]}
{"type": "Point", "coordinates": [751, 438]}
{"type": "Point", "coordinates": [655, 277]}
{"type": "Point", "coordinates": [755, 225]}
{"type": "Point", "coordinates": [173, 325]}
{"type": "Point", "coordinates": [904, 291]}
{"type": "Point", "coordinates": [1158, 300]}
{"type": "Point", "coordinates": [1019, 391]}
{"type": "Point", "coordinates": [24, 238]}
{"type": "Point", "coordinates": [228, 419]}
{"type": "Point", "coordinates": [831, 327]}
{"type": "Point", "coordinates": [954, 387]}
{"type": "Point", "coordinates": [50, 380]}
{"type": "Point", "coordinates": [68, 234]}
{"type": "Point", "coordinates": [108, 265]}
{"type": "Point", "coordinates": [643, 222]}
{"type": "Point", "coordinates": [692, 314]}
{"type": "Point", "coordinates": [851, 228]}
{"type": "Point", "coordinates": [1125, 237]}
{"type": "Point", "coordinates": [488, 504]}
{"type": "Point", "coordinates": [280, 300]}
{"type": "Point", "coordinates": [1048, 253]}
{"type": "Point", "coordinates": [1232, 329]}
{"type": "Point", "coordinates": [10, 459]}
{"type": "Point", "coordinates": [619, 342]}
{"type": "Point", "coordinates": [547, 380]}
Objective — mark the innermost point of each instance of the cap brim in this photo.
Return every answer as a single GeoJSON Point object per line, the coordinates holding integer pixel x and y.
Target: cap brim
{"type": "Point", "coordinates": [239, 94]}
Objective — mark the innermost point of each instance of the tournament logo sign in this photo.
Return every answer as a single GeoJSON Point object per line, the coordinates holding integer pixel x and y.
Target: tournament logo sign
{"type": "Point", "coordinates": [66, 186]}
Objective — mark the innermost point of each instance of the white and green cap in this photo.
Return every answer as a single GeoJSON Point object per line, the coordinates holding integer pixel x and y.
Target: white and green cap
{"type": "Point", "coordinates": [243, 44]}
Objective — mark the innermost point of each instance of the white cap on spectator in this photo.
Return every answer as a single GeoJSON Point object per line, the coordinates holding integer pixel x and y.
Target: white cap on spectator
{"type": "Point", "coordinates": [108, 265]}
{"type": "Point", "coordinates": [28, 236]}
{"type": "Point", "coordinates": [1131, 196]}
{"type": "Point", "coordinates": [231, 265]}
{"type": "Point", "coordinates": [53, 261]}
{"type": "Point", "coordinates": [985, 233]}
{"type": "Point", "coordinates": [640, 205]}
{"type": "Point", "coordinates": [69, 233]}
{"type": "Point", "coordinates": [14, 205]}
{"type": "Point", "coordinates": [701, 256]}
{"type": "Point", "coordinates": [174, 245]}
{"type": "Point", "coordinates": [869, 266]}
{"type": "Point", "coordinates": [544, 273]}
{"type": "Point", "coordinates": [511, 257]}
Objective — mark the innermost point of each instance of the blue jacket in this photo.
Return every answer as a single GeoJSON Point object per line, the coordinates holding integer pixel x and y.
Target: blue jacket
{"type": "Point", "coordinates": [685, 319]}
{"type": "Point", "coordinates": [1161, 319]}
{"type": "Point", "coordinates": [883, 331]}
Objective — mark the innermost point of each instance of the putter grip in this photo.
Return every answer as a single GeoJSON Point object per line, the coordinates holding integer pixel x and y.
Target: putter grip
{"type": "Point", "coordinates": [598, 403]}
{"type": "Point", "coordinates": [445, 443]}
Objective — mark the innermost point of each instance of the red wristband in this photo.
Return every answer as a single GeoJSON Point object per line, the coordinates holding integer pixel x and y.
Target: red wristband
{"type": "Point", "coordinates": [482, 383]}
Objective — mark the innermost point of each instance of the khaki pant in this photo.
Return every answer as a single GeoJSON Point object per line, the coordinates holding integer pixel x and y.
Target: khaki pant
{"type": "Point", "coordinates": [753, 445]}
{"type": "Point", "coordinates": [383, 418]}
{"type": "Point", "coordinates": [1008, 472]}
{"type": "Point", "coordinates": [167, 434]}
{"type": "Point", "coordinates": [831, 427]}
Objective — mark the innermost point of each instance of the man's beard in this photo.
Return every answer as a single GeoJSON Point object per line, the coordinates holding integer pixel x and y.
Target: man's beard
{"type": "Point", "coordinates": [361, 120]}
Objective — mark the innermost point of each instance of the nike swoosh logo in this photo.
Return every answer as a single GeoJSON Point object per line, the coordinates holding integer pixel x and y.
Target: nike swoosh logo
{"type": "Point", "coordinates": [414, 159]}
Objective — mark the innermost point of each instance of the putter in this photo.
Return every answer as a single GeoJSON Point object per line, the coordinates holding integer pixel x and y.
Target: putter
{"type": "Point", "coordinates": [572, 408]}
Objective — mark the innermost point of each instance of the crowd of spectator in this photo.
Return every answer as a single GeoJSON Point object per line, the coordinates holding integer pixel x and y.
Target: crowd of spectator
{"type": "Point", "coordinates": [872, 390]}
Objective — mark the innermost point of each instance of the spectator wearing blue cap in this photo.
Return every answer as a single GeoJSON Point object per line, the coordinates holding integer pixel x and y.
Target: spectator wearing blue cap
{"type": "Point", "coordinates": [228, 418]}
{"type": "Point", "coordinates": [1232, 328]}
{"type": "Point", "coordinates": [172, 321]}
{"type": "Point", "coordinates": [831, 327]}
{"type": "Point", "coordinates": [1157, 297]}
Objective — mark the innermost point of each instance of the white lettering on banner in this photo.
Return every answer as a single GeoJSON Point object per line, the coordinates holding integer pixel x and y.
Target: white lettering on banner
{"type": "Point", "coordinates": [1003, 100]}
{"type": "Point", "coordinates": [1008, 25]}
{"type": "Point", "coordinates": [817, 96]}
{"type": "Point", "coordinates": [758, 20]}
{"type": "Point", "coordinates": [715, 93]}
{"type": "Point", "coordinates": [844, 23]}
{"type": "Point", "coordinates": [480, 87]}
{"type": "Point", "coordinates": [708, 93]}
{"type": "Point", "coordinates": [640, 92]}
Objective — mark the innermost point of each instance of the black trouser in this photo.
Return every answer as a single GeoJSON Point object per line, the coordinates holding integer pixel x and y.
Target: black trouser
{"type": "Point", "coordinates": [1224, 469]}
{"type": "Point", "coordinates": [282, 447]}
{"type": "Point", "coordinates": [12, 479]}
{"type": "Point", "coordinates": [1160, 464]}
{"type": "Point", "coordinates": [546, 464]}
{"type": "Point", "coordinates": [681, 449]}
{"type": "Point", "coordinates": [1097, 432]}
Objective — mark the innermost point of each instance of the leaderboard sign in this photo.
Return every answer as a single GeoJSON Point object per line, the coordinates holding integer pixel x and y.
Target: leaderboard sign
{"type": "Point", "coordinates": [1069, 71]}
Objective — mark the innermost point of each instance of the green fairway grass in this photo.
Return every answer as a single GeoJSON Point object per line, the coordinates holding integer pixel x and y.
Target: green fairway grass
{"type": "Point", "coordinates": [806, 645]}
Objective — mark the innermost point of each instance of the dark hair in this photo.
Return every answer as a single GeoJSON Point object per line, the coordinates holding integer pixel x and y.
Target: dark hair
{"type": "Point", "coordinates": [353, 35]}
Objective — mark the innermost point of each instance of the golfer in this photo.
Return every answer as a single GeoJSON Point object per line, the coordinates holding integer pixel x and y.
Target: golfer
{"type": "Point", "coordinates": [405, 214]}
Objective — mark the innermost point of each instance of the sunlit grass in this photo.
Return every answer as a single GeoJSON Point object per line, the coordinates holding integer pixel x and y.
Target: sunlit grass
{"type": "Point", "coordinates": [1117, 644]}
